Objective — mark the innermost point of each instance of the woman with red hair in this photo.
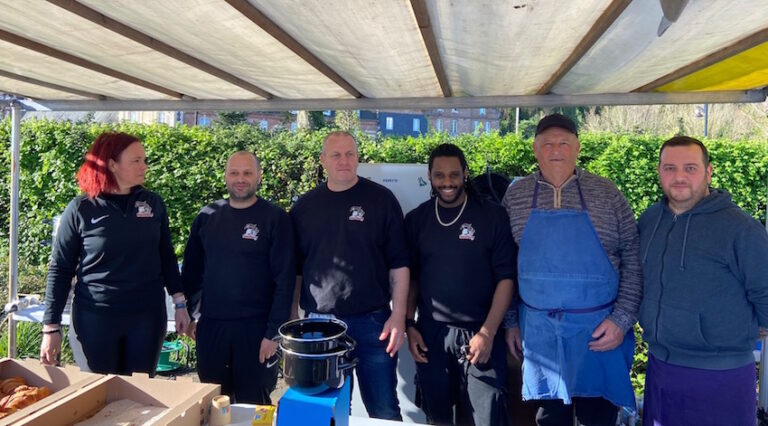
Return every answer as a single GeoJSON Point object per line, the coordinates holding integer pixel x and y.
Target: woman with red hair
{"type": "Point", "coordinates": [115, 238]}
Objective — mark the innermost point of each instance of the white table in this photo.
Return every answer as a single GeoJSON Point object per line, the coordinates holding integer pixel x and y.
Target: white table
{"type": "Point", "coordinates": [35, 314]}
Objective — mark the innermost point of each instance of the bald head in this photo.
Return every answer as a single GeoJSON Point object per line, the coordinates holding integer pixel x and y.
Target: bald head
{"type": "Point", "coordinates": [245, 155]}
{"type": "Point", "coordinates": [339, 135]}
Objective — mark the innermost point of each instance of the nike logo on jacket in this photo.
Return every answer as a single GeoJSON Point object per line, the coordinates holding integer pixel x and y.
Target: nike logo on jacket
{"type": "Point", "coordinates": [98, 219]}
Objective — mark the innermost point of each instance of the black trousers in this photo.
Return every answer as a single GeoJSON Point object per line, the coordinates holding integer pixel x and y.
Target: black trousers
{"type": "Point", "coordinates": [120, 344]}
{"type": "Point", "coordinates": [228, 355]}
{"type": "Point", "coordinates": [448, 382]}
{"type": "Point", "coordinates": [589, 412]}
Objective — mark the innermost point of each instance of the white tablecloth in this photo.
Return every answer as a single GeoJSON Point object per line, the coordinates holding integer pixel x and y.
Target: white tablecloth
{"type": "Point", "coordinates": [35, 314]}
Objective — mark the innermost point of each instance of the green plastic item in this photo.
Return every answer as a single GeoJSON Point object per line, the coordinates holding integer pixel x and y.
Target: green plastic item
{"type": "Point", "coordinates": [164, 364]}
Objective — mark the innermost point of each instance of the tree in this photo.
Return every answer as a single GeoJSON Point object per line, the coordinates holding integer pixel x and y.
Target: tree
{"type": "Point", "coordinates": [286, 119]}
{"type": "Point", "coordinates": [317, 120]}
{"type": "Point", "coordinates": [232, 118]}
{"type": "Point", "coordinates": [507, 119]}
{"type": "Point", "coordinates": [302, 120]}
{"type": "Point", "coordinates": [310, 120]}
{"type": "Point", "coordinates": [348, 120]}
{"type": "Point", "coordinates": [529, 118]}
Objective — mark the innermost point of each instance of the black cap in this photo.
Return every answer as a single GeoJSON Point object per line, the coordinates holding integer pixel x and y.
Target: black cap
{"type": "Point", "coordinates": [556, 120]}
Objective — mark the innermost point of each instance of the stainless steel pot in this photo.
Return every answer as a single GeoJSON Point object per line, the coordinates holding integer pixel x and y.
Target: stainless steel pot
{"type": "Point", "coordinates": [312, 335]}
{"type": "Point", "coordinates": [316, 373]}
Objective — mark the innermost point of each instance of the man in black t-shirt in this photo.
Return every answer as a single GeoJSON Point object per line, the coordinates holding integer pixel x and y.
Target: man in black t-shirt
{"type": "Point", "coordinates": [238, 273]}
{"type": "Point", "coordinates": [353, 260]}
{"type": "Point", "coordinates": [463, 267]}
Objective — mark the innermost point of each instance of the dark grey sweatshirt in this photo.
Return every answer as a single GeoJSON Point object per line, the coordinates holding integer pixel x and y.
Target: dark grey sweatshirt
{"type": "Point", "coordinates": [706, 283]}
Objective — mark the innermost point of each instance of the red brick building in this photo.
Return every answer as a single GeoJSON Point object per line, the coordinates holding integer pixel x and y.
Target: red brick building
{"type": "Point", "coordinates": [464, 120]}
{"type": "Point", "coordinates": [453, 121]}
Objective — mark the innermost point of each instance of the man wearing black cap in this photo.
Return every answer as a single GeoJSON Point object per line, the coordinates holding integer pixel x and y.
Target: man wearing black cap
{"type": "Point", "coordinates": [580, 284]}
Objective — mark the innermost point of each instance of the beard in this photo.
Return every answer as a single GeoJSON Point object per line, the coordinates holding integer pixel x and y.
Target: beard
{"type": "Point", "coordinates": [457, 194]}
{"type": "Point", "coordinates": [241, 196]}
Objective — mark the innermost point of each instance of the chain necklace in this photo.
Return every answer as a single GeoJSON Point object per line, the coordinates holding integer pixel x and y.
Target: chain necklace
{"type": "Point", "coordinates": [437, 215]}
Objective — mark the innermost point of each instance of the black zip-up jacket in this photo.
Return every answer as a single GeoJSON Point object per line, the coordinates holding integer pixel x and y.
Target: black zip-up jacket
{"type": "Point", "coordinates": [122, 258]}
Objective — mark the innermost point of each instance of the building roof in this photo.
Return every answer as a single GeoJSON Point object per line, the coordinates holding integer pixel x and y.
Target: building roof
{"type": "Point", "coordinates": [351, 54]}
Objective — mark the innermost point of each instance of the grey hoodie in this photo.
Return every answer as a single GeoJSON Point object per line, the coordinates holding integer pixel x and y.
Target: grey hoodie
{"type": "Point", "coordinates": [705, 276]}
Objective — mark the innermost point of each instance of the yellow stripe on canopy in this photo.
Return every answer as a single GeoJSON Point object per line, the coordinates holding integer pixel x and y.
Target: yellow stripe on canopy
{"type": "Point", "coordinates": [747, 70]}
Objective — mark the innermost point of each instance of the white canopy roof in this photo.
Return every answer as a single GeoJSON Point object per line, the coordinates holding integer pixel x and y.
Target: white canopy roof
{"type": "Point", "coordinates": [345, 54]}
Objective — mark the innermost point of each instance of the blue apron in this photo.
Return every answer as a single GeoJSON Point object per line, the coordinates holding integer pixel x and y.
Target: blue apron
{"type": "Point", "coordinates": [568, 286]}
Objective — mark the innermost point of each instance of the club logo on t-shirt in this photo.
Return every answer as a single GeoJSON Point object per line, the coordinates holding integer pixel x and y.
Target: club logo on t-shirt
{"type": "Point", "coordinates": [467, 232]}
{"type": "Point", "coordinates": [251, 232]}
{"type": "Point", "coordinates": [143, 209]}
{"type": "Point", "coordinates": [356, 213]}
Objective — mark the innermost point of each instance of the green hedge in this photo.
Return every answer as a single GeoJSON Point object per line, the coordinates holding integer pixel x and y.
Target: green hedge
{"type": "Point", "coordinates": [186, 166]}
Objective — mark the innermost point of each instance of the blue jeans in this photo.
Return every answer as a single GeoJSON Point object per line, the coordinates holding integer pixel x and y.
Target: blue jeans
{"type": "Point", "coordinates": [376, 370]}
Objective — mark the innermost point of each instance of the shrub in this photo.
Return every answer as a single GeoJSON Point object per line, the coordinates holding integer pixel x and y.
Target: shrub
{"type": "Point", "coordinates": [28, 341]}
{"type": "Point", "coordinates": [186, 167]}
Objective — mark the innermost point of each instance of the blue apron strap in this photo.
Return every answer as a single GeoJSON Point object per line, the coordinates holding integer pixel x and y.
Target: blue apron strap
{"type": "Point", "coordinates": [558, 312]}
{"type": "Point", "coordinates": [581, 195]}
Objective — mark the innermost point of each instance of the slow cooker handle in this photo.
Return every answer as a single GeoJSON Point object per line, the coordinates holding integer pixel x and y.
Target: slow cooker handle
{"type": "Point", "coordinates": [277, 356]}
{"type": "Point", "coordinates": [347, 342]}
{"type": "Point", "coordinates": [347, 365]}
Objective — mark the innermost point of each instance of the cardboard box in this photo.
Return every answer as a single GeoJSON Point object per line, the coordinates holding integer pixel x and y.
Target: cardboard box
{"type": "Point", "coordinates": [188, 403]}
{"type": "Point", "coordinates": [61, 381]}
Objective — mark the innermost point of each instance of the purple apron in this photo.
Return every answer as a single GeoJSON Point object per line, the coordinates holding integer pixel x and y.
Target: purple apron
{"type": "Point", "coordinates": [676, 395]}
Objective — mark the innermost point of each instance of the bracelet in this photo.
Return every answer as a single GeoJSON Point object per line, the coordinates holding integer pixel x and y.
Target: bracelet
{"type": "Point", "coordinates": [58, 330]}
{"type": "Point", "coordinates": [409, 323]}
{"type": "Point", "coordinates": [180, 305]}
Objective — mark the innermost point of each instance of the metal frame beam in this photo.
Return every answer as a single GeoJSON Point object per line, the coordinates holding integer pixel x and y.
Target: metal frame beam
{"type": "Point", "coordinates": [13, 240]}
{"type": "Point", "coordinates": [430, 43]}
{"type": "Point", "coordinates": [9, 95]}
{"type": "Point", "coordinates": [262, 21]}
{"type": "Point", "coordinates": [72, 59]}
{"type": "Point", "coordinates": [118, 27]}
{"type": "Point", "coordinates": [606, 19]}
{"type": "Point", "coordinates": [48, 85]}
{"type": "Point", "coordinates": [652, 98]}
{"type": "Point", "coordinates": [726, 52]}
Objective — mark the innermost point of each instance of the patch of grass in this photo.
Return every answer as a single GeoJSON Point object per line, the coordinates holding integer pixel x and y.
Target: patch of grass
{"type": "Point", "coordinates": [28, 341]}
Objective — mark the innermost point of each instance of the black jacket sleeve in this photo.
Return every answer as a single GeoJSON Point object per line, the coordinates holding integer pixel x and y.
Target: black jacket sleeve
{"type": "Point", "coordinates": [283, 266]}
{"type": "Point", "coordinates": [504, 255]}
{"type": "Point", "coordinates": [396, 248]}
{"type": "Point", "coordinates": [192, 266]}
{"type": "Point", "coordinates": [67, 248]}
{"type": "Point", "coordinates": [168, 261]}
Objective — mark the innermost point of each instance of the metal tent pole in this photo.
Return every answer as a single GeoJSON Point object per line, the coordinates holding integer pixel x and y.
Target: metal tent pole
{"type": "Point", "coordinates": [13, 258]}
{"type": "Point", "coordinates": [706, 120]}
{"type": "Point", "coordinates": [762, 400]}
